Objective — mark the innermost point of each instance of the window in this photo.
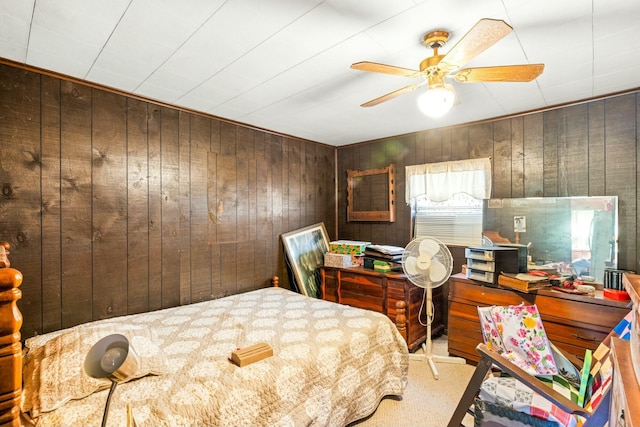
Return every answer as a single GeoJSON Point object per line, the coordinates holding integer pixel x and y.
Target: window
{"type": "Point", "coordinates": [446, 199]}
{"type": "Point", "coordinates": [457, 221]}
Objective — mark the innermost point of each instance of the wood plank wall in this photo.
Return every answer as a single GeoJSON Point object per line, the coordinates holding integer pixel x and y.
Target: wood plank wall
{"type": "Point", "coordinates": [114, 205]}
{"type": "Point", "coordinates": [589, 149]}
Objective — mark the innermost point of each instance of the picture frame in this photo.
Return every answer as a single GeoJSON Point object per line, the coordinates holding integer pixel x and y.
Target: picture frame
{"type": "Point", "coordinates": [304, 249]}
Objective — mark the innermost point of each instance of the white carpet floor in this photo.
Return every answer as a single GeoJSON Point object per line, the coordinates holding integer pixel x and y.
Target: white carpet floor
{"type": "Point", "coordinates": [427, 402]}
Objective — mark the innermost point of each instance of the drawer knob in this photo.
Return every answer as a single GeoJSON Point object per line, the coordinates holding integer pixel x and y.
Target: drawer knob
{"type": "Point", "coordinates": [583, 338]}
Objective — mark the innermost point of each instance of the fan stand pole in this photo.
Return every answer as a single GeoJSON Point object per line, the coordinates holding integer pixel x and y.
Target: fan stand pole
{"type": "Point", "coordinates": [427, 346]}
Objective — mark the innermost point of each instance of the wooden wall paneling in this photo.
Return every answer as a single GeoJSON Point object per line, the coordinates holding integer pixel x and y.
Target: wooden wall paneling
{"type": "Point", "coordinates": [242, 199]}
{"type": "Point", "coordinates": [75, 221]}
{"type": "Point", "coordinates": [253, 191]}
{"type": "Point", "coordinates": [109, 204]}
{"type": "Point", "coordinates": [246, 265]}
{"type": "Point", "coordinates": [184, 204]}
{"type": "Point", "coordinates": [51, 174]}
{"type": "Point", "coordinates": [244, 155]}
{"type": "Point", "coordinates": [20, 198]}
{"type": "Point", "coordinates": [137, 192]}
{"type": "Point", "coordinates": [408, 147]}
{"type": "Point", "coordinates": [245, 146]}
{"type": "Point", "coordinates": [418, 156]}
{"type": "Point", "coordinates": [636, 237]}
{"type": "Point", "coordinates": [596, 148]}
{"type": "Point", "coordinates": [216, 136]}
{"type": "Point", "coordinates": [308, 181]}
{"type": "Point", "coordinates": [229, 268]}
{"type": "Point", "coordinates": [227, 139]}
{"type": "Point", "coordinates": [621, 166]}
{"type": "Point", "coordinates": [226, 182]}
{"type": "Point", "coordinates": [214, 217]}
{"type": "Point", "coordinates": [329, 180]}
{"type": "Point", "coordinates": [481, 141]}
{"type": "Point", "coordinates": [502, 160]}
{"type": "Point", "coordinates": [275, 154]}
{"type": "Point", "coordinates": [200, 247]}
{"type": "Point", "coordinates": [459, 144]}
{"type": "Point", "coordinates": [447, 145]}
{"type": "Point", "coordinates": [550, 165]}
{"type": "Point", "coordinates": [533, 155]}
{"type": "Point", "coordinates": [574, 165]}
{"type": "Point", "coordinates": [295, 188]}
{"type": "Point", "coordinates": [434, 148]}
{"type": "Point", "coordinates": [517, 157]}
{"type": "Point", "coordinates": [264, 184]}
{"type": "Point", "coordinates": [171, 242]}
{"type": "Point", "coordinates": [154, 205]}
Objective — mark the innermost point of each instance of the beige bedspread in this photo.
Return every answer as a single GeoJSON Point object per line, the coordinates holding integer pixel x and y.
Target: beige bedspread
{"type": "Point", "coordinates": [331, 365]}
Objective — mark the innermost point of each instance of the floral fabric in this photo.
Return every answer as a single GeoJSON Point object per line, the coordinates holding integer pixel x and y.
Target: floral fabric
{"type": "Point", "coordinates": [517, 333]}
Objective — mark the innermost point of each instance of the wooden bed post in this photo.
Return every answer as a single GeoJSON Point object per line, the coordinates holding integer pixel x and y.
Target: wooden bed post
{"type": "Point", "coordinates": [10, 344]}
{"type": "Point", "coordinates": [401, 318]}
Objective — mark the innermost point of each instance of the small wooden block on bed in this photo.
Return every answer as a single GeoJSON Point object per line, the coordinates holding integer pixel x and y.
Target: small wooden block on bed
{"type": "Point", "coordinates": [253, 353]}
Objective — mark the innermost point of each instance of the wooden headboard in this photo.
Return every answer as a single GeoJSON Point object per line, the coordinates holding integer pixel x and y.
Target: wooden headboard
{"type": "Point", "coordinates": [10, 344]}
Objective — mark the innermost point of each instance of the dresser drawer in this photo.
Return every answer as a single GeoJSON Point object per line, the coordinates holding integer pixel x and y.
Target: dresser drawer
{"type": "Point", "coordinates": [484, 296]}
{"type": "Point", "coordinates": [362, 291]}
{"type": "Point", "coordinates": [463, 337]}
{"type": "Point", "coordinates": [594, 317]}
{"type": "Point", "coordinates": [577, 338]}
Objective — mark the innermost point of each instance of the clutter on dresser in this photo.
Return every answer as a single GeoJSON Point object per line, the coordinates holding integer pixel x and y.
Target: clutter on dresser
{"type": "Point", "coordinates": [523, 282]}
{"type": "Point", "coordinates": [345, 253]}
{"type": "Point", "coordinates": [485, 263]}
{"type": "Point", "coordinates": [383, 258]}
{"type": "Point", "coordinates": [613, 284]}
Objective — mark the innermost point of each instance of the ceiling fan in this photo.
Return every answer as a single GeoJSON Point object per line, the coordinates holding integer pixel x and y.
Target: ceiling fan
{"type": "Point", "coordinates": [439, 96]}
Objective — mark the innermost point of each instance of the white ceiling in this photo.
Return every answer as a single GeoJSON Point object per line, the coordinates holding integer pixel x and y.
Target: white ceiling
{"type": "Point", "coordinates": [283, 65]}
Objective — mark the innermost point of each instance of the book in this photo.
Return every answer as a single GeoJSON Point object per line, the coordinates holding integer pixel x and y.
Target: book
{"type": "Point", "coordinates": [385, 250]}
{"type": "Point", "coordinates": [522, 281]}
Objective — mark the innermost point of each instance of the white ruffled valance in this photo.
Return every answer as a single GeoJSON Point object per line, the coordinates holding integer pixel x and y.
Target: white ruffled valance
{"type": "Point", "coordinates": [440, 181]}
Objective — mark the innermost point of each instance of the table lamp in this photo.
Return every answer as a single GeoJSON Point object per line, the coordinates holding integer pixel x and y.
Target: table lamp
{"type": "Point", "coordinates": [114, 358]}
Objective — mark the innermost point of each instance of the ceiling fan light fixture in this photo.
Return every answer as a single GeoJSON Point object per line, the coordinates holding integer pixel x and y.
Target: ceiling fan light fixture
{"type": "Point", "coordinates": [436, 101]}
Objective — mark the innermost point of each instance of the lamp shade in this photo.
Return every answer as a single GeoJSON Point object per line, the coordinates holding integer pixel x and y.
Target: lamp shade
{"type": "Point", "coordinates": [436, 101]}
{"type": "Point", "coordinates": [112, 357]}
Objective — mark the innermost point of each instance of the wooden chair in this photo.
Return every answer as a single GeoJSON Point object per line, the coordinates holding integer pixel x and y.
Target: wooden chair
{"type": "Point", "coordinates": [490, 358]}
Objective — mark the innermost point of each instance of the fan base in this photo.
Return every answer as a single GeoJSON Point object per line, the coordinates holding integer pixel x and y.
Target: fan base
{"type": "Point", "coordinates": [432, 359]}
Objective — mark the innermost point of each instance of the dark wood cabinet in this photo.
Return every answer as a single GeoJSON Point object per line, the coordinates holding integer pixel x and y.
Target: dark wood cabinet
{"type": "Point", "coordinates": [381, 292]}
{"type": "Point", "coordinates": [572, 322]}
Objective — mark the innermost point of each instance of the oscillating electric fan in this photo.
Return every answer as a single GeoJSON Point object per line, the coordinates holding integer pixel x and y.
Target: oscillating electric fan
{"type": "Point", "coordinates": [427, 263]}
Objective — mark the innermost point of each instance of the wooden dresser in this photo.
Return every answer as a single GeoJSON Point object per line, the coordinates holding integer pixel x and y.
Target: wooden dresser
{"type": "Point", "coordinates": [572, 322]}
{"type": "Point", "coordinates": [625, 410]}
{"type": "Point", "coordinates": [368, 289]}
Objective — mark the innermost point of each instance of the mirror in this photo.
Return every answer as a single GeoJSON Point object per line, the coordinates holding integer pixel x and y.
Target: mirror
{"type": "Point", "coordinates": [581, 232]}
{"type": "Point", "coordinates": [371, 194]}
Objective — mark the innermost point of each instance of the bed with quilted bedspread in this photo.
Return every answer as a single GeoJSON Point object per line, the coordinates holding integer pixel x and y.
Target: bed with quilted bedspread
{"type": "Point", "coordinates": [332, 364]}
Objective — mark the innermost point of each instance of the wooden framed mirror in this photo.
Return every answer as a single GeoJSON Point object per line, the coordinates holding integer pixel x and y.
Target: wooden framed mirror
{"type": "Point", "coordinates": [371, 194]}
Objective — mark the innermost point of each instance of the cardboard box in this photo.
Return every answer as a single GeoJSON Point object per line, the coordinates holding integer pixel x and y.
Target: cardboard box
{"type": "Point", "coordinates": [342, 260]}
{"type": "Point", "coordinates": [350, 247]}
{"type": "Point", "coordinates": [337, 260]}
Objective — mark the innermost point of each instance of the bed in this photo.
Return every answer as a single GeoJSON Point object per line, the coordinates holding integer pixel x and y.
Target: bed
{"type": "Point", "coordinates": [331, 365]}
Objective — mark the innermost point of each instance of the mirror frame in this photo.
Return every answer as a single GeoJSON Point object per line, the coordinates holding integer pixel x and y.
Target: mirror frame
{"type": "Point", "coordinates": [383, 215]}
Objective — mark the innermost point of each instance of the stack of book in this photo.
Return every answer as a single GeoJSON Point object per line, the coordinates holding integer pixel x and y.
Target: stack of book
{"type": "Point", "coordinates": [522, 282]}
{"type": "Point", "coordinates": [383, 258]}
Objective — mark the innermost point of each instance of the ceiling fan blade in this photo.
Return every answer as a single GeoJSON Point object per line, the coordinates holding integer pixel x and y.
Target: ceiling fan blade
{"type": "Point", "coordinates": [505, 73]}
{"type": "Point", "coordinates": [391, 95]}
{"type": "Point", "coordinates": [374, 67]}
{"type": "Point", "coordinates": [483, 35]}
